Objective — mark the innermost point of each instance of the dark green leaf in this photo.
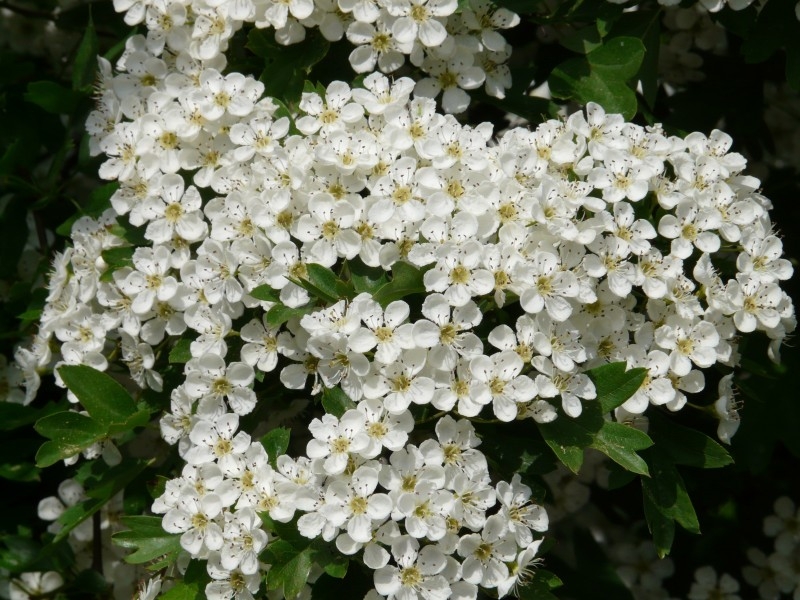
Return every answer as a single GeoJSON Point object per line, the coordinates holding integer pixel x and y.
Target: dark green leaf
{"type": "Point", "coordinates": [776, 27]}
{"type": "Point", "coordinates": [660, 526]}
{"type": "Point", "coordinates": [615, 384]}
{"type": "Point", "coordinates": [116, 258]}
{"type": "Point", "coordinates": [52, 97]}
{"type": "Point", "coordinates": [666, 493]}
{"type": "Point", "coordinates": [620, 443]}
{"type": "Point", "coordinates": [687, 446]}
{"type": "Point", "coordinates": [286, 68]}
{"type": "Point", "coordinates": [568, 437]}
{"type": "Point", "coordinates": [193, 585]}
{"type": "Point", "coordinates": [539, 586]}
{"type": "Point", "coordinates": [265, 293]}
{"type": "Point", "coordinates": [84, 67]}
{"type": "Point", "coordinates": [69, 432]}
{"type": "Point", "coordinates": [104, 399]}
{"type": "Point", "coordinates": [602, 76]}
{"type": "Point", "coordinates": [567, 440]}
{"type": "Point", "coordinates": [110, 482]}
{"type": "Point", "coordinates": [147, 539]}
{"type": "Point", "coordinates": [321, 282]}
{"type": "Point", "coordinates": [406, 279]}
{"type": "Point", "coordinates": [276, 442]}
{"type": "Point", "coordinates": [646, 26]}
{"type": "Point", "coordinates": [364, 278]}
{"type": "Point", "coordinates": [337, 566]}
{"type": "Point", "coordinates": [582, 40]}
{"type": "Point", "coordinates": [181, 352]}
{"type": "Point", "coordinates": [290, 567]}
{"type": "Point", "coordinates": [24, 471]}
{"type": "Point", "coordinates": [336, 402]}
{"type": "Point", "coordinates": [279, 314]}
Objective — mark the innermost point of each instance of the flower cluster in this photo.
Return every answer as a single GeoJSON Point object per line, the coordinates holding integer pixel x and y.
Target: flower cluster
{"type": "Point", "coordinates": [456, 47]}
{"type": "Point", "coordinates": [600, 240]}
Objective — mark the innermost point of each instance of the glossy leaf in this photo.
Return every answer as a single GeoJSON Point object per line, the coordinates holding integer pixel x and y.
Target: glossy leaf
{"type": "Point", "coordinates": [276, 442]}
{"type": "Point", "coordinates": [336, 402]}
{"type": "Point", "coordinates": [69, 433]}
{"type": "Point", "coordinates": [147, 539]}
{"type": "Point", "coordinates": [615, 383]}
{"type": "Point", "coordinates": [106, 401]}
{"type": "Point", "coordinates": [406, 280]}
{"type": "Point", "coordinates": [290, 567]}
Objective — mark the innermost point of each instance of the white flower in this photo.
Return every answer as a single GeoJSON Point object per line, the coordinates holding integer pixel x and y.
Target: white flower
{"type": "Point", "coordinates": [497, 379]}
{"type": "Point", "coordinates": [447, 337]}
{"type": "Point", "coordinates": [486, 554]}
{"type": "Point", "coordinates": [708, 585]}
{"type": "Point", "coordinates": [354, 504]}
{"type": "Point", "coordinates": [194, 517]}
{"type": "Point", "coordinates": [335, 440]}
{"type": "Point", "coordinates": [689, 342]}
{"type": "Point", "coordinates": [417, 574]}
{"type": "Point", "coordinates": [520, 514]}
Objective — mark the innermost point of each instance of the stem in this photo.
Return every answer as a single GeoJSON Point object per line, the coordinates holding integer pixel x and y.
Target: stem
{"type": "Point", "coordinates": [97, 544]}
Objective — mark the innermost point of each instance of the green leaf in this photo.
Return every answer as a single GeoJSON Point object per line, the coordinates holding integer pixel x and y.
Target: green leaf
{"type": "Point", "coordinates": [775, 27]}
{"type": "Point", "coordinates": [84, 67]}
{"type": "Point", "coordinates": [322, 282]}
{"type": "Point", "coordinates": [181, 352]}
{"type": "Point", "coordinates": [337, 566]}
{"type": "Point", "coordinates": [192, 586]}
{"type": "Point", "coordinates": [286, 68]}
{"type": "Point", "coordinates": [539, 586]}
{"type": "Point", "coordinates": [52, 97]}
{"type": "Point", "coordinates": [276, 442]}
{"type": "Point", "coordinates": [582, 40]}
{"type": "Point", "coordinates": [406, 279]}
{"type": "Point", "coordinates": [279, 314]}
{"type": "Point", "coordinates": [290, 567]}
{"type": "Point", "coordinates": [568, 437]}
{"type": "Point", "coordinates": [116, 258]}
{"type": "Point", "coordinates": [661, 527]}
{"type": "Point", "coordinates": [148, 540]}
{"type": "Point", "coordinates": [23, 471]}
{"type": "Point", "coordinates": [14, 415]}
{"type": "Point", "coordinates": [69, 432]}
{"type": "Point", "coordinates": [602, 76]}
{"type": "Point", "coordinates": [620, 443]}
{"type": "Point", "coordinates": [104, 399]}
{"type": "Point", "coordinates": [336, 402]}
{"type": "Point", "coordinates": [364, 278]}
{"type": "Point", "coordinates": [615, 384]}
{"type": "Point", "coordinates": [265, 293]}
{"type": "Point", "coordinates": [110, 482]}
{"type": "Point", "coordinates": [687, 446]}
{"type": "Point", "coordinates": [665, 494]}
{"type": "Point", "coordinates": [646, 26]}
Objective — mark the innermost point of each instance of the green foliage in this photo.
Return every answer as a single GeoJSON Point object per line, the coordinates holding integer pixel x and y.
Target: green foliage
{"type": "Point", "coordinates": [292, 556]}
{"type": "Point", "coordinates": [276, 442]}
{"type": "Point", "coordinates": [603, 76]}
{"type": "Point", "coordinates": [148, 541]}
{"type": "Point", "coordinates": [666, 501]}
{"type": "Point", "coordinates": [286, 68]}
{"type": "Point", "coordinates": [106, 401]}
{"type": "Point", "coordinates": [569, 437]}
{"type": "Point", "coordinates": [406, 280]}
{"type": "Point", "coordinates": [336, 402]}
